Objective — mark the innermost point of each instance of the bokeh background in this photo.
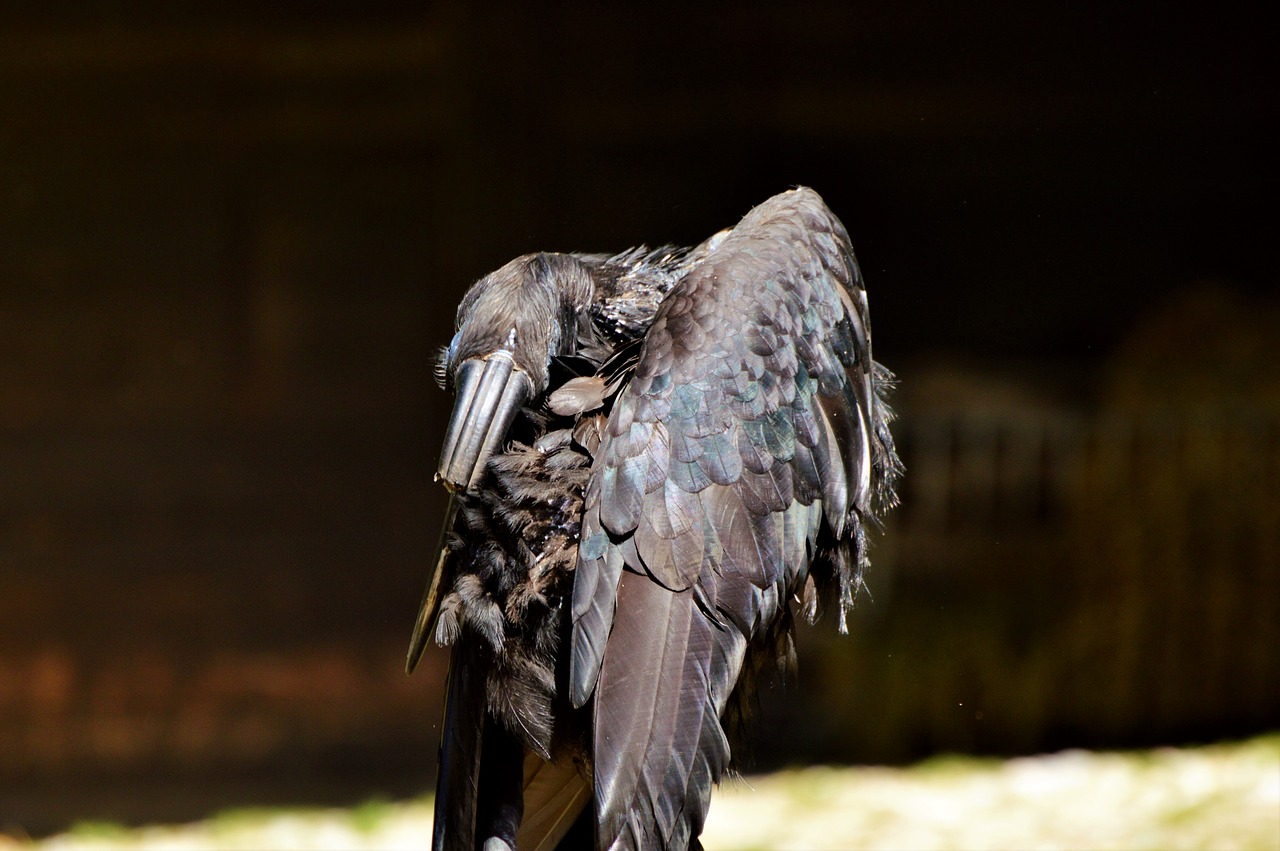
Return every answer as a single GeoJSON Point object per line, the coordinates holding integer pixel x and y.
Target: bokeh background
{"type": "Point", "coordinates": [232, 236]}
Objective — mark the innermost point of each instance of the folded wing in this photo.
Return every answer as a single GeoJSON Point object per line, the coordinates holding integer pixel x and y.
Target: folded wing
{"type": "Point", "coordinates": [738, 466]}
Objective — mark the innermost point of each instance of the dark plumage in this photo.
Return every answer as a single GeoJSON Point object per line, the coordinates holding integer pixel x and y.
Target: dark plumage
{"type": "Point", "coordinates": [652, 456]}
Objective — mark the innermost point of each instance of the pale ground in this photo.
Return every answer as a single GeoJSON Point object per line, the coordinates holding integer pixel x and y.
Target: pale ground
{"type": "Point", "coordinates": [1219, 797]}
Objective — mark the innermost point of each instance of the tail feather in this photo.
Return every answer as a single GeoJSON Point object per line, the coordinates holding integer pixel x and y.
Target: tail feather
{"type": "Point", "coordinates": [458, 782]}
{"type": "Point", "coordinates": [500, 804]}
{"type": "Point", "coordinates": [555, 794]}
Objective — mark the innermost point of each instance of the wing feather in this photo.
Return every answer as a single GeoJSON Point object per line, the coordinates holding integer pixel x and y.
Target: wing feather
{"type": "Point", "coordinates": [752, 418]}
{"type": "Point", "coordinates": [672, 714]}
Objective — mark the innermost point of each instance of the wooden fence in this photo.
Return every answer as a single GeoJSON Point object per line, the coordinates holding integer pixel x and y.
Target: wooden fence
{"type": "Point", "coordinates": [1055, 581]}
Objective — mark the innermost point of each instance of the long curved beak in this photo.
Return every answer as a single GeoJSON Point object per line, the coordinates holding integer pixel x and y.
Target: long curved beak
{"type": "Point", "coordinates": [430, 606]}
{"type": "Point", "coordinates": [490, 393]}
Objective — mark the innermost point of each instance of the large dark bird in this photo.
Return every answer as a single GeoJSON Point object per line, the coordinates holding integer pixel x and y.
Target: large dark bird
{"type": "Point", "coordinates": [651, 456]}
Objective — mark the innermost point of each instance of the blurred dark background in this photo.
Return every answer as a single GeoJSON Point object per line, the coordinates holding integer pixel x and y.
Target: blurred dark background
{"type": "Point", "coordinates": [232, 236]}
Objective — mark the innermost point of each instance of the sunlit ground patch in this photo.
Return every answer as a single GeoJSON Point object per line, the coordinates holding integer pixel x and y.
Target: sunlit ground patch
{"type": "Point", "coordinates": [1219, 797]}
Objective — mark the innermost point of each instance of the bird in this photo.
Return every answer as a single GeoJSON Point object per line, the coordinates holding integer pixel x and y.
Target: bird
{"type": "Point", "coordinates": [655, 461]}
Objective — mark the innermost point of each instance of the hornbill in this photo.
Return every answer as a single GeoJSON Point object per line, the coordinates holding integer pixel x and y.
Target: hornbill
{"type": "Point", "coordinates": [651, 457]}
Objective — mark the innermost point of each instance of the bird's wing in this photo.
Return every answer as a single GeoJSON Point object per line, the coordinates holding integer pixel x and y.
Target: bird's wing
{"type": "Point", "coordinates": [752, 419]}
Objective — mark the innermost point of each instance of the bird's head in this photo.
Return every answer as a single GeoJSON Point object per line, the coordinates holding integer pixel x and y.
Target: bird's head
{"type": "Point", "coordinates": [510, 325]}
